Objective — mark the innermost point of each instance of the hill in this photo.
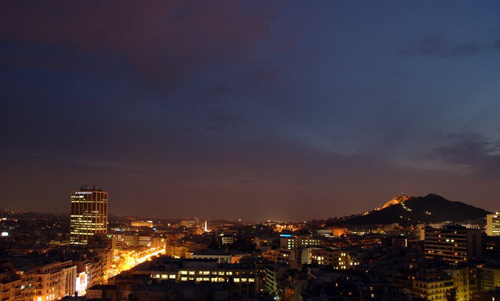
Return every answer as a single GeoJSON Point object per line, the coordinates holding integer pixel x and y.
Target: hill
{"type": "Point", "coordinates": [415, 210]}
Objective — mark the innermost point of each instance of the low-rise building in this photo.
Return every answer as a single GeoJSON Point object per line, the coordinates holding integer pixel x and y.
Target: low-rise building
{"type": "Point", "coordinates": [54, 281]}
{"type": "Point", "coordinates": [338, 259]}
{"type": "Point", "coordinates": [431, 284]}
{"type": "Point", "coordinates": [148, 224]}
{"type": "Point", "coordinates": [242, 278]}
{"type": "Point", "coordinates": [222, 256]}
{"type": "Point", "coordinates": [11, 287]}
{"type": "Point", "coordinates": [290, 242]}
{"type": "Point", "coordinates": [489, 279]}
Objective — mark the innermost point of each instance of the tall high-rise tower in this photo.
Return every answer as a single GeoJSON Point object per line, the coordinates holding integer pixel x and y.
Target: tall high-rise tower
{"type": "Point", "coordinates": [89, 214]}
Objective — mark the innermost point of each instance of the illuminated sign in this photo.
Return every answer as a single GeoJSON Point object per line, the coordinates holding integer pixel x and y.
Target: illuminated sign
{"type": "Point", "coordinates": [286, 235]}
{"type": "Point", "coordinates": [81, 284]}
{"type": "Point", "coordinates": [5, 234]}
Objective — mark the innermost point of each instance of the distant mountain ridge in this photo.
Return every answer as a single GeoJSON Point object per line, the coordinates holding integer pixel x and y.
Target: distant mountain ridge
{"type": "Point", "coordinates": [405, 210]}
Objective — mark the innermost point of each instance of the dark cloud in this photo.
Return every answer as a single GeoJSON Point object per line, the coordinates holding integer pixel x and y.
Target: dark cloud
{"type": "Point", "coordinates": [216, 93]}
{"type": "Point", "coordinates": [497, 44]}
{"type": "Point", "coordinates": [262, 77]}
{"type": "Point", "coordinates": [473, 151]}
{"type": "Point", "coordinates": [226, 119]}
{"type": "Point", "coordinates": [164, 41]}
{"type": "Point", "coordinates": [441, 47]}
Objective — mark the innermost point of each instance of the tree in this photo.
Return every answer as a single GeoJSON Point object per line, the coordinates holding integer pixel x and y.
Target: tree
{"type": "Point", "coordinates": [451, 294]}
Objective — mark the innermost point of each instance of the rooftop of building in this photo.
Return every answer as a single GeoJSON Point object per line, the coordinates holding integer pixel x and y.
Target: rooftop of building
{"type": "Point", "coordinates": [453, 227]}
{"type": "Point", "coordinates": [90, 188]}
{"type": "Point", "coordinates": [215, 252]}
{"type": "Point", "coordinates": [165, 263]}
{"type": "Point", "coordinates": [101, 287]}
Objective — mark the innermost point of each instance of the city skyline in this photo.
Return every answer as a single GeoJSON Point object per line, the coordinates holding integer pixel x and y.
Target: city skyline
{"type": "Point", "coordinates": [249, 110]}
{"type": "Point", "coordinates": [396, 200]}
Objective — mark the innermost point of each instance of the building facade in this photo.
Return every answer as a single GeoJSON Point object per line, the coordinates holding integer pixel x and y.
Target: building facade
{"type": "Point", "coordinates": [489, 279]}
{"type": "Point", "coordinates": [338, 259]}
{"type": "Point", "coordinates": [89, 214]}
{"type": "Point", "coordinates": [290, 242]}
{"type": "Point", "coordinates": [48, 282]}
{"type": "Point", "coordinates": [11, 287]}
{"type": "Point", "coordinates": [54, 281]}
{"type": "Point", "coordinates": [433, 285]}
{"type": "Point", "coordinates": [493, 224]}
{"type": "Point", "coordinates": [453, 243]}
{"type": "Point", "coordinates": [243, 279]}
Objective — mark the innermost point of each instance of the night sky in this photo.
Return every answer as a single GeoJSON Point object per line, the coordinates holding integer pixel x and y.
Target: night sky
{"type": "Point", "coordinates": [249, 109]}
